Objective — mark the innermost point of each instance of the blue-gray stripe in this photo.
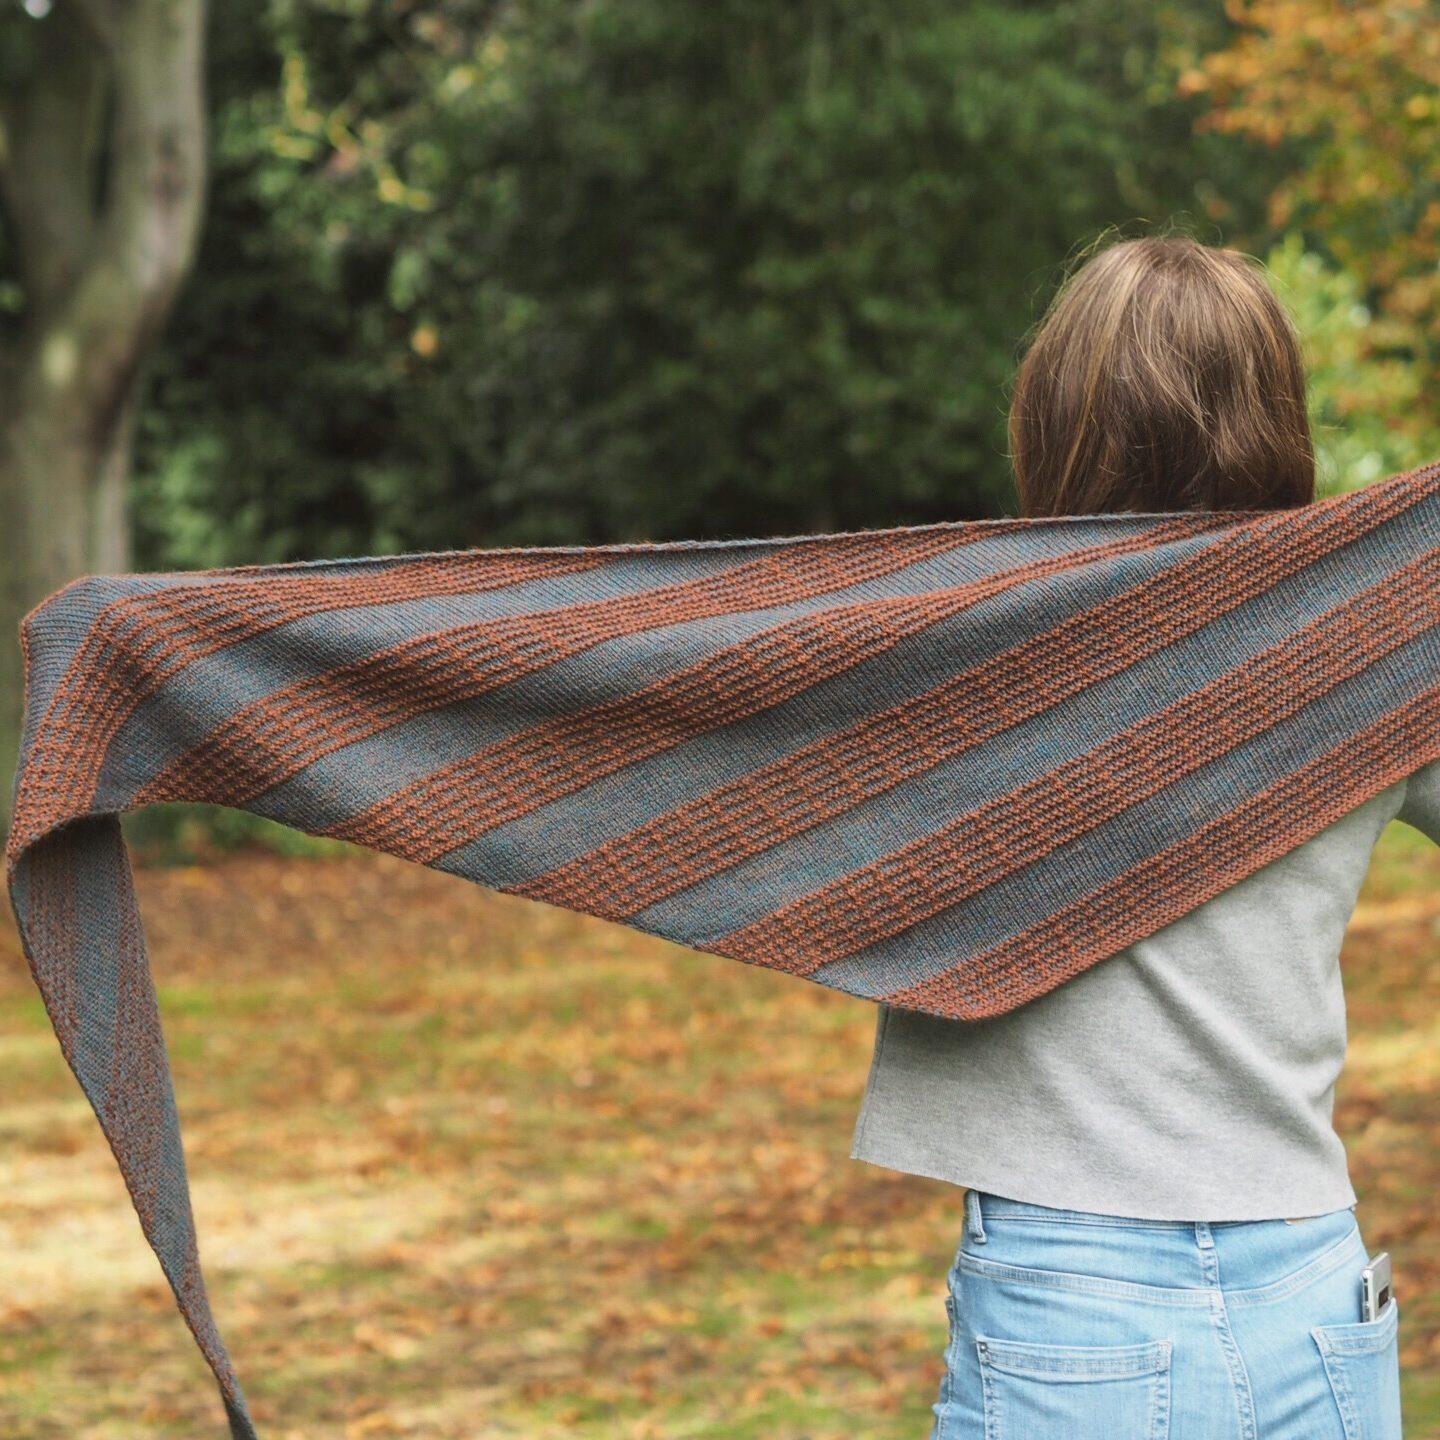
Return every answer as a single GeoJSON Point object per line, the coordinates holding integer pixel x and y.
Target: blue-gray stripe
{"type": "Point", "coordinates": [850, 842]}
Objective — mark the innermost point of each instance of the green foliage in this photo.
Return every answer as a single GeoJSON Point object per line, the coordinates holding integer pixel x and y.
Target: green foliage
{"type": "Point", "coordinates": [191, 834]}
{"type": "Point", "coordinates": [539, 272]}
{"type": "Point", "coordinates": [1366, 385]}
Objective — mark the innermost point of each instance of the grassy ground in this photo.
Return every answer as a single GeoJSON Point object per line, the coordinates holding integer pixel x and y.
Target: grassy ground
{"type": "Point", "coordinates": [470, 1167]}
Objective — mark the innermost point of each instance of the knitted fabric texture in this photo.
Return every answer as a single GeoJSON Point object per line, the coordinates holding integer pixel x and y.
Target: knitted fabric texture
{"type": "Point", "coordinates": [946, 767]}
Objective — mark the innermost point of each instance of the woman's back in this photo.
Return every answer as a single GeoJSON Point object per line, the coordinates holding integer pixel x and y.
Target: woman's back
{"type": "Point", "coordinates": [1135, 1140]}
{"type": "Point", "coordinates": [1191, 1076]}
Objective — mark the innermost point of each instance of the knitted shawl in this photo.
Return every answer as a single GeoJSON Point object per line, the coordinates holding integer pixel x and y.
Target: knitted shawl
{"type": "Point", "coordinates": [946, 768]}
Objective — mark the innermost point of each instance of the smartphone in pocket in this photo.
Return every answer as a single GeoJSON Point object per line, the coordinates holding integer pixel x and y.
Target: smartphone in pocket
{"type": "Point", "coordinates": [1376, 1286]}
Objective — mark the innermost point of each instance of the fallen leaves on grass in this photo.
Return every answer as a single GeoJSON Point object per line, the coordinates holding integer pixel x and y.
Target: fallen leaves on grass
{"type": "Point", "coordinates": [470, 1167]}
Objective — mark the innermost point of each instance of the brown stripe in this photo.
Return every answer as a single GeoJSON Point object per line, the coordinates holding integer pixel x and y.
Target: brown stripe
{"type": "Point", "coordinates": [278, 737]}
{"type": "Point", "coordinates": [1164, 887]}
{"type": "Point", "coordinates": [822, 781]}
{"type": "Point", "coordinates": [141, 642]}
{"type": "Point", "coordinates": [502, 782]}
{"type": "Point", "coordinates": [1013, 830]}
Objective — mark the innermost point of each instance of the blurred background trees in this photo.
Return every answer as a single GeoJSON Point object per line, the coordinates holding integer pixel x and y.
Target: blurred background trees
{"type": "Point", "coordinates": [475, 273]}
{"type": "Point", "coordinates": [102, 164]}
{"type": "Point", "coordinates": [478, 274]}
{"type": "Point", "coordinates": [1351, 94]}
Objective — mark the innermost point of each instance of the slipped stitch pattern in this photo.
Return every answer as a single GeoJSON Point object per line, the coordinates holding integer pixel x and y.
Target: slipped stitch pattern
{"type": "Point", "coordinates": [946, 767]}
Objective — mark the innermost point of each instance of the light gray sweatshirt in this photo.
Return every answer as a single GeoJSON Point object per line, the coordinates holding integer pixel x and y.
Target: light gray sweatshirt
{"type": "Point", "coordinates": [1190, 1077]}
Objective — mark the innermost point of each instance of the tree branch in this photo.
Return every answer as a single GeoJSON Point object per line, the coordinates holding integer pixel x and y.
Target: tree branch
{"type": "Point", "coordinates": [153, 198]}
{"type": "Point", "coordinates": [51, 138]}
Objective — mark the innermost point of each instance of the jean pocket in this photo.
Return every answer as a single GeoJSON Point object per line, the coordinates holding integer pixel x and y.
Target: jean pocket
{"type": "Point", "coordinates": [1075, 1392]}
{"type": "Point", "coordinates": [1362, 1362]}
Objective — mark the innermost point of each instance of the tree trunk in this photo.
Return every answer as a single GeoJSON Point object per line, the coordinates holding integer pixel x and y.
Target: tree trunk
{"type": "Point", "coordinates": [102, 181]}
{"type": "Point", "coordinates": [65, 507]}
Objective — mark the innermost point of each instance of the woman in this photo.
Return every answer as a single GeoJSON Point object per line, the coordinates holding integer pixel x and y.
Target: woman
{"type": "Point", "coordinates": [1160, 1238]}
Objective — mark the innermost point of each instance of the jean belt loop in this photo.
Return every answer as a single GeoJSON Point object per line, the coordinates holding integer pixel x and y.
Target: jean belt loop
{"type": "Point", "coordinates": [974, 1218]}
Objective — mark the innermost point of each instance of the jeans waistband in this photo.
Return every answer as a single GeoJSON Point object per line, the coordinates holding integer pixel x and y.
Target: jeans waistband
{"type": "Point", "coordinates": [981, 1205]}
{"type": "Point", "coordinates": [1163, 1261]}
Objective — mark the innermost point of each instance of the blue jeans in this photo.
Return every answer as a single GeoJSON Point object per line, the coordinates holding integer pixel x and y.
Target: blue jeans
{"type": "Point", "coordinates": [1070, 1326]}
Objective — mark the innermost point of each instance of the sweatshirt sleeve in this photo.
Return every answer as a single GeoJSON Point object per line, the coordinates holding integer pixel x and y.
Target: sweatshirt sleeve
{"type": "Point", "coordinates": [1421, 805]}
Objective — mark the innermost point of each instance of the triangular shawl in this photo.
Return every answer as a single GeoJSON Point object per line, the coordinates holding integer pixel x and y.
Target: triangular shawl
{"type": "Point", "coordinates": [946, 767]}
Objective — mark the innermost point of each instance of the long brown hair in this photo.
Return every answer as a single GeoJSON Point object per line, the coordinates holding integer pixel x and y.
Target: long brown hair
{"type": "Point", "coordinates": [1166, 375]}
